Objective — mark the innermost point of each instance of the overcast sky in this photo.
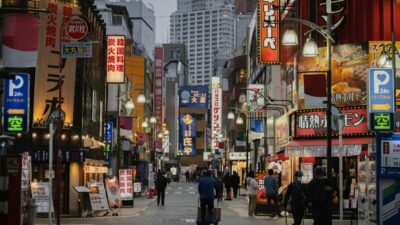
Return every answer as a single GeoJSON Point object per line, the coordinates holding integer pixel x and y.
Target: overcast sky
{"type": "Point", "coordinates": [162, 11]}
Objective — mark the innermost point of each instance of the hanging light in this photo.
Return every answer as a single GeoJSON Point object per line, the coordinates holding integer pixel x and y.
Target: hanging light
{"type": "Point", "coordinates": [383, 58]}
{"type": "Point", "coordinates": [290, 38]}
{"type": "Point", "coordinates": [310, 48]}
{"type": "Point", "coordinates": [129, 104]}
{"type": "Point", "coordinates": [141, 99]}
{"type": "Point", "coordinates": [144, 124]}
{"type": "Point", "coordinates": [153, 119]}
{"type": "Point", "coordinates": [166, 132]}
{"type": "Point", "coordinates": [239, 120]}
{"type": "Point", "coordinates": [160, 135]}
{"type": "Point", "coordinates": [231, 116]}
{"type": "Point", "coordinates": [388, 63]}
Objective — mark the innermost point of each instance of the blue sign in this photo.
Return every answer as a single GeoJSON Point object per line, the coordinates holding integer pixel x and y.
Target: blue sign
{"type": "Point", "coordinates": [16, 104]}
{"type": "Point", "coordinates": [108, 136]}
{"type": "Point", "coordinates": [381, 90]}
{"type": "Point", "coordinates": [77, 50]}
{"type": "Point", "coordinates": [187, 135]}
{"type": "Point", "coordinates": [257, 125]}
{"type": "Point", "coordinates": [193, 96]}
{"type": "Point", "coordinates": [388, 178]}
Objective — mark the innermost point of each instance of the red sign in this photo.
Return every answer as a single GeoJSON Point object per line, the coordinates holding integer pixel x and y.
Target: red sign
{"type": "Point", "coordinates": [158, 90]}
{"type": "Point", "coordinates": [268, 31]}
{"type": "Point", "coordinates": [313, 123]}
{"type": "Point", "coordinates": [115, 59]}
{"type": "Point", "coordinates": [76, 28]}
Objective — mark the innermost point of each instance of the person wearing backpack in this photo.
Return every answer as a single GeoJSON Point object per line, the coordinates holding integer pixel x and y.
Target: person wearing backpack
{"type": "Point", "coordinates": [295, 196]}
{"type": "Point", "coordinates": [252, 188]}
{"type": "Point", "coordinates": [319, 197]}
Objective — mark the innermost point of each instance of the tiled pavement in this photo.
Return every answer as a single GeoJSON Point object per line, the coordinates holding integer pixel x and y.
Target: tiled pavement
{"type": "Point", "coordinates": [180, 209]}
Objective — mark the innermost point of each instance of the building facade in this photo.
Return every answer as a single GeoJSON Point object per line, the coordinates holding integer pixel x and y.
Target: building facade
{"type": "Point", "coordinates": [207, 29]}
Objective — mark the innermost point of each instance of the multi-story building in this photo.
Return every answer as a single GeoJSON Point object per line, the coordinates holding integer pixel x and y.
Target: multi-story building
{"type": "Point", "coordinates": [207, 29]}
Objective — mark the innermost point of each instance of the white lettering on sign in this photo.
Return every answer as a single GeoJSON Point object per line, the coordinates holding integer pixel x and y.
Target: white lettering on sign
{"type": "Point", "coordinates": [381, 78]}
{"type": "Point", "coordinates": [328, 9]}
{"type": "Point", "coordinates": [269, 24]}
{"type": "Point", "coordinates": [16, 84]}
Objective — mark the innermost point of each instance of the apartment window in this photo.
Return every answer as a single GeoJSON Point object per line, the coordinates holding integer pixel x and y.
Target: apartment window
{"type": "Point", "coordinates": [116, 20]}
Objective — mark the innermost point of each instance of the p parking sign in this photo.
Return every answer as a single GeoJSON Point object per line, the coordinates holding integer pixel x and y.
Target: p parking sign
{"type": "Point", "coordinates": [16, 104]}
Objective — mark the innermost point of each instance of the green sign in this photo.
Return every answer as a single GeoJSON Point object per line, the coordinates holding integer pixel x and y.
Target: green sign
{"type": "Point", "coordinates": [382, 121]}
{"type": "Point", "coordinates": [107, 148]}
{"type": "Point", "coordinates": [15, 123]}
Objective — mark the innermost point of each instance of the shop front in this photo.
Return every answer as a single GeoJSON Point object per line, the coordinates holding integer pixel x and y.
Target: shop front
{"type": "Point", "coordinates": [238, 164]}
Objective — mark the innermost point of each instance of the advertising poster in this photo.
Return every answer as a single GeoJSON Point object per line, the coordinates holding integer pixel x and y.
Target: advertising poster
{"type": "Point", "coordinates": [40, 192]}
{"type": "Point", "coordinates": [256, 129]}
{"type": "Point", "coordinates": [114, 197]}
{"type": "Point", "coordinates": [126, 184]}
{"type": "Point", "coordinates": [282, 130]}
{"type": "Point", "coordinates": [97, 195]}
{"type": "Point", "coordinates": [115, 59]}
{"type": "Point", "coordinates": [188, 135]}
{"type": "Point", "coordinates": [216, 113]}
{"type": "Point", "coordinates": [261, 194]}
{"type": "Point", "coordinates": [307, 169]}
{"type": "Point", "coordinates": [349, 74]}
{"type": "Point", "coordinates": [375, 50]}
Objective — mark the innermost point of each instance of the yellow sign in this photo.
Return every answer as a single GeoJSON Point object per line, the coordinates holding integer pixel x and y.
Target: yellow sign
{"type": "Point", "coordinates": [376, 48]}
{"type": "Point", "coordinates": [381, 107]}
{"type": "Point", "coordinates": [16, 111]}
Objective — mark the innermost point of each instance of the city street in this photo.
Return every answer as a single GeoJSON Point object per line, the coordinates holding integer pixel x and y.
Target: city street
{"type": "Point", "coordinates": [179, 209]}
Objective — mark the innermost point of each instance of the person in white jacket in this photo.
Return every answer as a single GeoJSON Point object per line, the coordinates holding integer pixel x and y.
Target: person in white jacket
{"type": "Point", "coordinates": [252, 188]}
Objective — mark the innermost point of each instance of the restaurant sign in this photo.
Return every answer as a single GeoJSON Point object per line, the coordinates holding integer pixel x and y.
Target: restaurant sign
{"type": "Point", "coordinates": [268, 31]}
{"type": "Point", "coordinates": [115, 59]}
{"type": "Point", "coordinates": [193, 96]}
{"type": "Point", "coordinates": [188, 135]}
{"type": "Point", "coordinates": [313, 123]}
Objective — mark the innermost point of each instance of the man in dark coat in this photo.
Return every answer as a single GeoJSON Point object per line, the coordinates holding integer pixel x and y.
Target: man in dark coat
{"type": "Point", "coordinates": [235, 180]}
{"type": "Point", "coordinates": [161, 184]}
{"type": "Point", "coordinates": [228, 186]}
{"type": "Point", "coordinates": [207, 189]}
{"type": "Point", "coordinates": [296, 194]}
{"type": "Point", "coordinates": [319, 195]}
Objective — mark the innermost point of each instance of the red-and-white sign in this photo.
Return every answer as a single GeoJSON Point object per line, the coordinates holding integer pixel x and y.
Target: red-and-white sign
{"type": "Point", "coordinates": [158, 92]}
{"type": "Point", "coordinates": [216, 112]}
{"type": "Point", "coordinates": [313, 123]}
{"type": "Point", "coordinates": [268, 28]}
{"type": "Point", "coordinates": [115, 59]}
{"type": "Point", "coordinates": [126, 184]}
{"type": "Point", "coordinates": [76, 28]}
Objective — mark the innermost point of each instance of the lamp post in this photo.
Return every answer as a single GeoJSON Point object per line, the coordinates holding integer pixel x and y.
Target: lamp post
{"type": "Point", "coordinates": [310, 49]}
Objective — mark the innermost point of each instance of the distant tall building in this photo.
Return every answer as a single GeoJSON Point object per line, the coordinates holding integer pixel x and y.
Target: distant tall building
{"type": "Point", "coordinates": [207, 29]}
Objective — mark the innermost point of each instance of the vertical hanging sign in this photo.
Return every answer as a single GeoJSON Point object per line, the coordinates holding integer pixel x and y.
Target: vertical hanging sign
{"type": "Point", "coordinates": [115, 59]}
{"type": "Point", "coordinates": [158, 92]}
{"type": "Point", "coordinates": [16, 104]}
{"type": "Point", "coordinates": [268, 31]}
{"type": "Point", "coordinates": [216, 112]}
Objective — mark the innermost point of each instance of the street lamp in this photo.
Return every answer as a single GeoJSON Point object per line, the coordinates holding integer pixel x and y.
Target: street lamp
{"type": "Point", "coordinates": [310, 48]}
{"type": "Point", "coordinates": [141, 99]}
{"type": "Point", "coordinates": [231, 116]}
{"type": "Point", "coordinates": [290, 38]}
{"type": "Point", "coordinates": [129, 104]}
{"type": "Point", "coordinates": [239, 120]}
{"type": "Point", "coordinates": [145, 124]}
{"type": "Point", "coordinates": [153, 120]}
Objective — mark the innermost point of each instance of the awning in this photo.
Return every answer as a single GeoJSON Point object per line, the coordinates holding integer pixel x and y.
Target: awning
{"type": "Point", "coordinates": [317, 147]}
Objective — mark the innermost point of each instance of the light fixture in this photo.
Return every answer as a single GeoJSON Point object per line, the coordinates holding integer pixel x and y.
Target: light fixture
{"type": "Point", "coordinates": [19, 134]}
{"type": "Point", "coordinates": [160, 135]}
{"type": "Point", "coordinates": [239, 120]}
{"type": "Point", "coordinates": [63, 136]}
{"type": "Point", "coordinates": [166, 132]}
{"type": "Point", "coordinates": [310, 48]}
{"type": "Point", "coordinates": [153, 119]}
{"type": "Point", "coordinates": [144, 124]}
{"type": "Point", "coordinates": [129, 104]}
{"type": "Point", "coordinates": [141, 99]}
{"type": "Point", "coordinates": [388, 63]}
{"type": "Point", "coordinates": [290, 38]}
{"type": "Point", "coordinates": [231, 116]}
{"type": "Point", "coordinates": [47, 136]}
{"type": "Point", "coordinates": [34, 135]}
{"type": "Point", "coordinates": [383, 58]}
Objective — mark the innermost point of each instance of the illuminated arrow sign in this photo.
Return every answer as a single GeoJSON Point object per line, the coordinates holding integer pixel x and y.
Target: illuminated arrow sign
{"type": "Point", "coordinates": [385, 107]}
{"type": "Point", "coordinates": [16, 104]}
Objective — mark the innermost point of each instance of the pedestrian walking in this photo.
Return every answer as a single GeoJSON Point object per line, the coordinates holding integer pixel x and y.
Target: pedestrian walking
{"type": "Point", "coordinates": [160, 186]}
{"type": "Point", "coordinates": [252, 188]}
{"type": "Point", "coordinates": [319, 197]}
{"type": "Point", "coordinates": [228, 186]}
{"type": "Point", "coordinates": [295, 197]}
{"type": "Point", "coordinates": [207, 189]}
{"type": "Point", "coordinates": [235, 180]}
{"type": "Point", "coordinates": [271, 189]}
{"type": "Point", "coordinates": [220, 186]}
{"type": "Point", "coordinates": [187, 175]}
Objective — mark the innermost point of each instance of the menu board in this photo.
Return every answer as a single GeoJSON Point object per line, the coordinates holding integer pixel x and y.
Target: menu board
{"type": "Point", "coordinates": [40, 192]}
{"type": "Point", "coordinates": [366, 192]}
{"type": "Point", "coordinates": [114, 196]}
{"type": "Point", "coordinates": [97, 195]}
{"type": "Point", "coordinates": [25, 187]}
{"type": "Point", "coordinates": [125, 184]}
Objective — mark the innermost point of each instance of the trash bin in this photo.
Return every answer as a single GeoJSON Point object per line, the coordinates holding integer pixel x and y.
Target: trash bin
{"type": "Point", "coordinates": [32, 211]}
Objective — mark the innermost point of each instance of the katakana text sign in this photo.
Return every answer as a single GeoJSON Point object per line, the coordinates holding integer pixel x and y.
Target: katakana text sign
{"type": "Point", "coordinates": [115, 59]}
{"type": "Point", "coordinates": [216, 120]}
{"type": "Point", "coordinates": [268, 31]}
{"type": "Point", "coordinates": [16, 104]}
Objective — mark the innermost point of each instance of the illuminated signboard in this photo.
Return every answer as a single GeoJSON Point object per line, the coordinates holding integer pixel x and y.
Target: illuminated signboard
{"type": "Point", "coordinates": [158, 93]}
{"type": "Point", "coordinates": [255, 97]}
{"type": "Point", "coordinates": [382, 121]}
{"type": "Point", "coordinates": [188, 135]}
{"type": "Point", "coordinates": [115, 59]}
{"type": "Point", "coordinates": [268, 31]}
{"type": "Point", "coordinates": [16, 104]}
{"type": "Point", "coordinates": [193, 96]}
{"type": "Point", "coordinates": [216, 112]}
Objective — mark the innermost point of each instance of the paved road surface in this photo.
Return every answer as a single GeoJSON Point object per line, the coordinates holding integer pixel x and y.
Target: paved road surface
{"type": "Point", "coordinates": [180, 209]}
